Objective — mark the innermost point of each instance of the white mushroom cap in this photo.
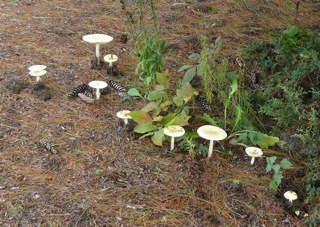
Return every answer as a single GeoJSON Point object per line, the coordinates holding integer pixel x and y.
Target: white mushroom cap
{"type": "Point", "coordinates": [35, 68]}
{"type": "Point", "coordinates": [174, 130]}
{"type": "Point", "coordinates": [124, 114]}
{"type": "Point", "coordinates": [37, 73]}
{"type": "Point", "coordinates": [254, 151]}
{"type": "Point", "coordinates": [97, 84]}
{"type": "Point", "coordinates": [110, 58]}
{"type": "Point", "coordinates": [97, 38]}
{"type": "Point", "coordinates": [210, 132]}
{"type": "Point", "coordinates": [290, 195]}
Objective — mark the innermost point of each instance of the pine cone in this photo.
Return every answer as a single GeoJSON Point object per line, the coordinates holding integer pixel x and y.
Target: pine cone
{"type": "Point", "coordinates": [48, 146]}
{"type": "Point", "coordinates": [86, 98]}
{"type": "Point", "coordinates": [116, 86]}
{"type": "Point", "coordinates": [77, 89]}
{"type": "Point", "coordinates": [203, 103]}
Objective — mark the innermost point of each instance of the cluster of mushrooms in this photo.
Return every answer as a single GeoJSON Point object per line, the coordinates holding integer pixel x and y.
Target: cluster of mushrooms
{"type": "Point", "coordinates": [208, 132]}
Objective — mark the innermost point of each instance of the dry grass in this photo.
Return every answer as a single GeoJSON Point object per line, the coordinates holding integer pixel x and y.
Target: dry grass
{"type": "Point", "coordinates": [103, 176]}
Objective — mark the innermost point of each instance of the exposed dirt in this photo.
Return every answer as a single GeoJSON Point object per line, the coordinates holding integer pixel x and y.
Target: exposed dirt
{"type": "Point", "coordinates": [96, 172]}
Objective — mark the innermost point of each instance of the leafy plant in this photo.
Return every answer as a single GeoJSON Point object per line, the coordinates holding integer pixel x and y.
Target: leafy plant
{"type": "Point", "coordinates": [277, 170]}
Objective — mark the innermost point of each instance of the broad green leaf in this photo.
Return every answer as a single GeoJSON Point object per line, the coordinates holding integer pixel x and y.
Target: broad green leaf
{"type": "Point", "coordinates": [147, 81]}
{"type": "Point", "coordinates": [179, 120]}
{"type": "Point", "coordinates": [268, 141]}
{"type": "Point", "coordinates": [234, 87]}
{"type": "Point", "coordinates": [158, 87]}
{"type": "Point", "coordinates": [145, 127]}
{"type": "Point", "coordinates": [255, 137]}
{"type": "Point", "coordinates": [285, 163]}
{"type": "Point", "coordinates": [278, 178]}
{"type": "Point", "coordinates": [140, 116]}
{"type": "Point", "coordinates": [162, 79]}
{"type": "Point", "coordinates": [200, 69]}
{"type": "Point", "coordinates": [194, 56]}
{"type": "Point", "coordinates": [270, 161]}
{"type": "Point", "coordinates": [158, 137]}
{"type": "Point", "coordinates": [168, 118]}
{"type": "Point", "coordinates": [188, 76]}
{"type": "Point", "coordinates": [134, 92]}
{"type": "Point", "coordinates": [184, 94]}
{"type": "Point", "coordinates": [156, 95]}
{"type": "Point", "coordinates": [273, 185]}
{"type": "Point", "coordinates": [276, 168]}
{"type": "Point", "coordinates": [150, 106]}
{"type": "Point", "coordinates": [184, 67]}
{"type": "Point", "coordinates": [243, 138]}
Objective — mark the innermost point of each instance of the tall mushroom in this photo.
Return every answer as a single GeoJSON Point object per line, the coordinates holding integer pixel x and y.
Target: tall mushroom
{"type": "Point", "coordinates": [254, 152]}
{"type": "Point", "coordinates": [173, 131]}
{"type": "Point", "coordinates": [97, 39]}
{"type": "Point", "coordinates": [211, 133]}
{"type": "Point", "coordinates": [110, 58]}
{"type": "Point", "coordinates": [37, 71]}
{"type": "Point", "coordinates": [97, 84]}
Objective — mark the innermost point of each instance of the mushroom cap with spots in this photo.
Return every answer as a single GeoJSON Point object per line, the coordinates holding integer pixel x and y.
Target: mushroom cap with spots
{"type": "Point", "coordinates": [254, 151]}
{"type": "Point", "coordinates": [290, 195]}
{"type": "Point", "coordinates": [98, 84]}
{"type": "Point", "coordinates": [97, 38]}
{"type": "Point", "coordinates": [174, 131]}
{"type": "Point", "coordinates": [37, 73]}
{"type": "Point", "coordinates": [210, 132]}
{"type": "Point", "coordinates": [35, 68]}
{"type": "Point", "coordinates": [123, 114]}
{"type": "Point", "coordinates": [110, 58]}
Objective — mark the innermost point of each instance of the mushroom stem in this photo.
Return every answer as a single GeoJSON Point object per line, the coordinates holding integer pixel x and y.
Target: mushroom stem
{"type": "Point", "coordinates": [126, 121]}
{"type": "Point", "coordinates": [98, 93]}
{"type": "Point", "coordinates": [252, 160]}
{"type": "Point", "coordinates": [210, 148]}
{"type": "Point", "coordinates": [98, 52]}
{"type": "Point", "coordinates": [110, 64]}
{"type": "Point", "coordinates": [172, 143]}
{"type": "Point", "coordinates": [38, 79]}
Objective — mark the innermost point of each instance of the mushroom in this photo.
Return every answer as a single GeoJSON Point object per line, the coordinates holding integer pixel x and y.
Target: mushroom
{"type": "Point", "coordinates": [97, 84]}
{"type": "Point", "coordinates": [254, 152]}
{"type": "Point", "coordinates": [212, 133]}
{"type": "Point", "coordinates": [97, 39]}
{"type": "Point", "coordinates": [173, 131]}
{"type": "Point", "coordinates": [110, 58]}
{"type": "Point", "coordinates": [37, 71]}
{"type": "Point", "coordinates": [124, 114]}
{"type": "Point", "coordinates": [290, 195]}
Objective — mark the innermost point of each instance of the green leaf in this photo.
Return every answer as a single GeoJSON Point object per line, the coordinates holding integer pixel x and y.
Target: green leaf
{"type": "Point", "coordinates": [184, 67]}
{"type": "Point", "coordinates": [184, 94]}
{"type": "Point", "coordinates": [270, 161]}
{"type": "Point", "coordinates": [150, 106]}
{"type": "Point", "coordinates": [140, 116]}
{"type": "Point", "coordinates": [188, 76]}
{"type": "Point", "coordinates": [285, 163]}
{"type": "Point", "coordinates": [162, 79]}
{"type": "Point", "coordinates": [234, 87]}
{"type": "Point", "coordinates": [133, 92]}
{"type": "Point", "coordinates": [165, 120]}
{"type": "Point", "coordinates": [200, 69]}
{"type": "Point", "coordinates": [145, 127]}
{"type": "Point", "coordinates": [278, 178]}
{"type": "Point", "coordinates": [158, 137]}
{"type": "Point", "coordinates": [195, 56]}
{"type": "Point", "coordinates": [268, 141]}
{"type": "Point", "coordinates": [179, 120]}
{"type": "Point", "coordinates": [273, 185]}
{"type": "Point", "coordinates": [276, 168]}
{"type": "Point", "coordinates": [156, 95]}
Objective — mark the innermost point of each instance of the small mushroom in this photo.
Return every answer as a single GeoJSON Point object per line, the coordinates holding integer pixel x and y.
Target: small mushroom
{"type": "Point", "coordinates": [97, 39]}
{"type": "Point", "coordinates": [110, 58]}
{"type": "Point", "coordinates": [290, 195]}
{"type": "Point", "coordinates": [97, 84]}
{"type": "Point", "coordinates": [37, 74]}
{"type": "Point", "coordinates": [212, 133]}
{"type": "Point", "coordinates": [254, 152]}
{"type": "Point", "coordinates": [124, 114]}
{"type": "Point", "coordinates": [173, 131]}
